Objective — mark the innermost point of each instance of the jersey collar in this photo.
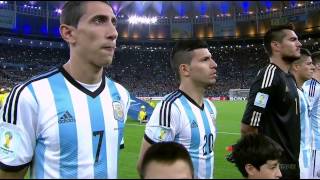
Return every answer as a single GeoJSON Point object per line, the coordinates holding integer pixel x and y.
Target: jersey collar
{"type": "Point", "coordinates": [316, 80]}
{"type": "Point", "coordinates": [80, 87]}
{"type": "Point", "coordinates": [191, 100]}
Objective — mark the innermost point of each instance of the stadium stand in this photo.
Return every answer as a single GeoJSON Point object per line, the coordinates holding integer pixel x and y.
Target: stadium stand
{"type": "Point", "coordinates": [144, 69]}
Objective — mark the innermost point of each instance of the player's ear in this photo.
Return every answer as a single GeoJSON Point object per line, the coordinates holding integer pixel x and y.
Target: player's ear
{"type": "Point", "coordinates": [275, 45]}
{"type": "Point", "coordinates": [184, 70]}
{"type": "Point", "coordinates": [250, 169]}
{"type": "Point", "coordinates": [67, 33]}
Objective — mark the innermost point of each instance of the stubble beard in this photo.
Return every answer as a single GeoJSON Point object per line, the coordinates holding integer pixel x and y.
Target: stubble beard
{"type": "Point", "coordinates": [290, 59]}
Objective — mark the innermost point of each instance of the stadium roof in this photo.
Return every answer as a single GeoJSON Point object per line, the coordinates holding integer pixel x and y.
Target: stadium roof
{"type": "Point", "coordinates": [182, 8]}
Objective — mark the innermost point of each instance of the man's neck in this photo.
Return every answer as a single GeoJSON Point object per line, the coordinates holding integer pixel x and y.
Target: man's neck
{"type": "Point", "coordinates": [83, 72]}
{"type": "Point", "coordinates": [195, 92]}
{"type": "Point", "coordinates": [299, 83]}
{"type": "Point", "coordinates": [283, 65]}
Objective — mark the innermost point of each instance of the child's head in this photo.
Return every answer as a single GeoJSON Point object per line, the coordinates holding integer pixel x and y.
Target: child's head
{"type": "Point", "coordinates": [257, 156]}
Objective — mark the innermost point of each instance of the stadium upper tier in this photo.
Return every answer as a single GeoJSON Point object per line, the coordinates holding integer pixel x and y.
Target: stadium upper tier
{"type": "Point", "coordinates": [171, 19]}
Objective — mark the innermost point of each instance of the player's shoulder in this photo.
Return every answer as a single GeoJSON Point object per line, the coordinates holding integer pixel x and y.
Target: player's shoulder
{"type": "Point", "coordinates": [312, 87]}
{"type": "Point", "coordinates": [268, 69]}
{"type": "Point", "coordinates": [269, 75]}
{"type": "Point", "coordinates": [21, 87]}
{"type": "Point", "coordinates": [168, 110]}
{"type": "Point", "coordinates": [315, 82]}
{"type": "Point", "coordinates": [169, 101]}
{"type": "Point", "coordinates": [172, 97]}
{"type": "Point", "coordinates": [311, 83]}
{"type": "Point", "coordinates": [121, 89]}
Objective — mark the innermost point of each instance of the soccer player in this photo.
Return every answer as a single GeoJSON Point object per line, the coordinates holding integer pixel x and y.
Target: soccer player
{"type": "Point", "coordinates": [273, 104]}
{"type": "Point", "coordinates": [302, 70]}
{"type": "Point", "coordinates": [312, 87]}
{"type": "Point", "coordinates": [68, 123]}
{"type": "Point", "coordinates": [257, 157]}
{"type": "Point", "coordinates": [185, 116]}
{"type": "Point", "coordinates": [166, 160]}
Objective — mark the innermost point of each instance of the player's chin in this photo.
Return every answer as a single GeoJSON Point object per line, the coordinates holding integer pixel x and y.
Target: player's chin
{"type": "Point", "coordinates": [106, 62]}
{"type": "Point", "coordinates": [213, 80]}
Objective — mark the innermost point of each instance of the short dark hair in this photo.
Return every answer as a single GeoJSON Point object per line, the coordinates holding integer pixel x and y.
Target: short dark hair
{"type": "Point", "coordinates": [255, 149]}
{"type": "Point", "coordinates": [167, 153]}
{"type": "Point", "coordinates": [181, 53]}
{"type": "Point", "coordinates": [275, 34]}
{"type": "Point", "coordinates": [315, 57]}
{"type": "Point", "coordinates": [72, 12]}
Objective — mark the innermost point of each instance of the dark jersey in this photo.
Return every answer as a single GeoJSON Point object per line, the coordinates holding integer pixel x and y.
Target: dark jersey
{"type": "Point", "coordinates": [273, 107]}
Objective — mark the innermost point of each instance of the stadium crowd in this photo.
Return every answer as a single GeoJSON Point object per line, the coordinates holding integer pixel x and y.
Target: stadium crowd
{"type": "Point", "coordinates": [143, 70]}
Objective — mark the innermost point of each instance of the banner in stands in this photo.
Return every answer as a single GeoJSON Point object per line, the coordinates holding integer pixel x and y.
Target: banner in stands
{"type": "Point", "coordinates": [7, 19]}
{"type": "Point", "coordinates": [224, 28]}
{"type": "Point", "coordinates": [181, 30]}
{"type": "Point", "coordinates": [135, 106]}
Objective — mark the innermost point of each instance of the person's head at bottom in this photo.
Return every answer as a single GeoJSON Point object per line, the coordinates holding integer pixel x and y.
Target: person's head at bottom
{"type": "Point", "coordinates": [167, 160]}
{"type": "Point", "coordinates": [257, 157]}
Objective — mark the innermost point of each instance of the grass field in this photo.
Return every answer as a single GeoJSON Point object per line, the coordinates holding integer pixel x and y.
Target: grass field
{"type": "Point", "coordinates": [228, 128]}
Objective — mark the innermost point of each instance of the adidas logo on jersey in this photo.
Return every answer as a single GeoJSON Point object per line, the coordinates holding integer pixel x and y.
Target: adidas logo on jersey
{"type": "Point", "coordinates": [66, 118]}
{"type": "Point", "coordinates": [194, 124]}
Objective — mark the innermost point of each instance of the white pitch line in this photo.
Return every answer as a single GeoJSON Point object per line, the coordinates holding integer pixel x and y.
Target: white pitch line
{"type": "Point", "coordinates": [129, 124]}
{"type": "Point", "coordinates": [228, 133]}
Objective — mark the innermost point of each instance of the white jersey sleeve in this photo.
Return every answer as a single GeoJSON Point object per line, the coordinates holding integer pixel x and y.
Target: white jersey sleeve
{"type": "Point", "coordinates": [18, 129]}
{"type": "Point", "coordinates": [164, 123]}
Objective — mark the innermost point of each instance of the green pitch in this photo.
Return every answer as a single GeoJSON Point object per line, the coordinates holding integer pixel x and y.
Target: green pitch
{"type": "Point", "coordinates": [228, 128]}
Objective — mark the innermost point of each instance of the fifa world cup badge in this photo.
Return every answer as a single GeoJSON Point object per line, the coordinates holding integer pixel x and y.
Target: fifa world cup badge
{"type": "Point", "coordinates": [161, 134]}
{"type": "Point", "coordinates": [118, 111]}
{"type": "Point", "coordinates": [261, 100]}
{"type": "Point", "coordinates": [9, 140]}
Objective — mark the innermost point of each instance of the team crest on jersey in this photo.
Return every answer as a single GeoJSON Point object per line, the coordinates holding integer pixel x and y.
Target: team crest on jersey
{"type": "Point", "coordinates": [118, 111]}
{"type": "Point", "coordinates": [213, 117]}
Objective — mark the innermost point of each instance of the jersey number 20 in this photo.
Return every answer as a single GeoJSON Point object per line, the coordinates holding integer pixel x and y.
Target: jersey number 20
{"type": "Point", "coordinates": [208, 145]}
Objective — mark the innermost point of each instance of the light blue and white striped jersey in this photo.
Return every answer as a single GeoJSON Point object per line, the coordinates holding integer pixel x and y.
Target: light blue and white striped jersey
{"type": "Point", "coordinates": [306, 135]}
{"type": "Point", "coordinates": [178, 118]}
{"type": "Point", "coordinates": [312, 88]}
{"type": "Point", "coordinates": [63, 130]}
